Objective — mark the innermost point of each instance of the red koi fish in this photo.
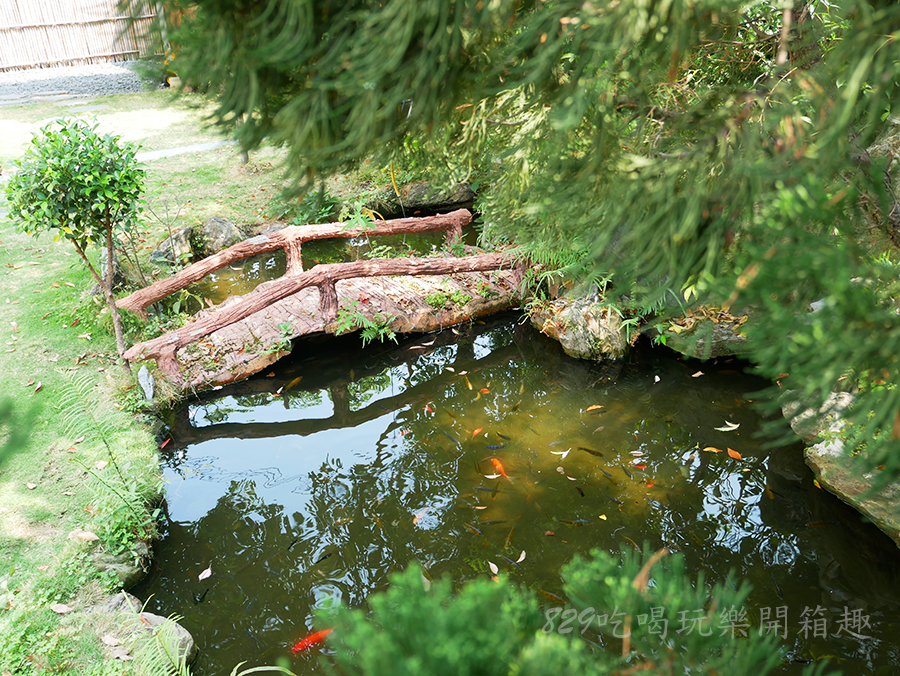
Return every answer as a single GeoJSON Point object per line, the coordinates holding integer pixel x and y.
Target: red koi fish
{"type": "Point", "coordinates": [311, 640]}
{"type": "Point", "coordinates": [499, 467]}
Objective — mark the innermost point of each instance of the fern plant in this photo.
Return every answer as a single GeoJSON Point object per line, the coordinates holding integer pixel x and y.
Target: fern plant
{"type": "Point", "coordinates": [377, 326]}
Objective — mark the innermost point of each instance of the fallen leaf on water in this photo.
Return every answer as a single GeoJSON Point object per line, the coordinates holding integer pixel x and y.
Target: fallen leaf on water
{"type": "Point", "coordinates": [491, 476]}
{"type": "Point", "coordinates": [109, 640]}
{"type": "Point", "coordinates": [697, 374]}
{"type": "Point", "coordinates": [101, 464]}
{"type": "Point", "coordinates": [713, 449]}
{"type": "Point", "coordinates": [560, 470]}
{"type": "Point", "coordinates": [60, 608]}
{"type": "Point", "coordinates": [603, 516]}
{"type": "Point", "coordinates": [655, 379]}
{"type": "Point", "coordinates": [493, 567]}
{"type": "Point", "coordinates": [728, 427]}
{"type": "Point", "coordinates": [562, 454]}
{"type": "Point", "coordinates": [734, 454]}
{"type": "Point", "coordinates": [549, 533]}
{"type": "Point", "coordinates": [405, 432]}
{"type": "Point", "coordinates": [816, 484]}
{"type": "Point", "coordinates": [475, 433]}
{"type": "Point", "coordinates": [418, 517]}
{"type": "Point", "coordinates": [480, 507]}
{"type": "Point", "coordinates": [205, 574]}
{"type": "Point", "coordinates": [571, 478]}
{"type": "Point", "coordinates": [636, 454]}
{"type": "Point", "coordinates": [30, 486]}
{"type": "Point", "coordinates": [484, 390]}
{"type": "Point", "coordinates": [594, 407]}
{"type": "Point", "coordinates": [450, 368]}
{"type": "Point", "coordinates": [521, 557]}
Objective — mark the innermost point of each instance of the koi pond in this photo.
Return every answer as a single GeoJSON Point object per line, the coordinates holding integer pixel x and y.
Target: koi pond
{"type": "Point", "coordinates": [319, 479]}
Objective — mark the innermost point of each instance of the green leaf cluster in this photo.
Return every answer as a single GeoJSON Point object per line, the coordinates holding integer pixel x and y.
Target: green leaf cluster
{"type": "Point", "coordinates": [76, 181]}
{"type": "Point", "coordinates": [673, 625]}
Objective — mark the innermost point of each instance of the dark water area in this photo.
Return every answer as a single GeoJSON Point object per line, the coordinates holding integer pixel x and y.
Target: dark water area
{"type": "Point", "coordinates": [315, 481]}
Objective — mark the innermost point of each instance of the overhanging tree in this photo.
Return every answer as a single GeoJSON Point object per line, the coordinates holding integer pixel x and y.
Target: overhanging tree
{"type": "Point", "coordinates": [85, 187]}
{"type": "Point", "coordinates": [715, 144]}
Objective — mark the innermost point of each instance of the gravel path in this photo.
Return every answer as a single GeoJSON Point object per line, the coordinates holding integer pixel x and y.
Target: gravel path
{"type": "Point", "coordinates": [41, 84]}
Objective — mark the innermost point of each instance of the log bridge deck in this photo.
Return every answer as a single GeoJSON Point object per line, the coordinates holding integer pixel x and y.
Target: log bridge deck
{"type": "Point", "coordinates": [245, 334]}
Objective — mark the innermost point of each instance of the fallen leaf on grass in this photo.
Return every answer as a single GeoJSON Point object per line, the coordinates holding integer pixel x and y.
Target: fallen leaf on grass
{"type": "Point", "coordinates": [109, 640]}
{"type": "Point", "coordinates": [15, 327]}
{"type": "Point", "coordinates": [80, 439]}
{"type": "Point", "coordinates": [55, 285]}
{"type": "Point", "coordinates": [37, 388]}
{"type": "Point", "coordinates": [121, 654]}
{"type": "Point", "coordinates": [86, 336]}
{"type": "Point", "coordinates": [69, 284]}
{"type": "Point", "coordinates": [43, 568]}
{"type": "Point", "coordinates": [84, 535]}
{"type": "Point", "coordinates": [205, 574]}
{"type": "Point", "coordinates": [30, 486]}
{"type": "Point", "coordinates": [60, 608]}
{"type": "Point", "coordinates": [101, 464]}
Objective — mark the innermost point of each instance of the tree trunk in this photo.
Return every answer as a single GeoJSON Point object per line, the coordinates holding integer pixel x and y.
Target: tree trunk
{"type": "Point", "coordinates": [106, 289]}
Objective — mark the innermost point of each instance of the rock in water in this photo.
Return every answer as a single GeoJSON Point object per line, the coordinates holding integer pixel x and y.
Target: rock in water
{"type": "Point", "coordinates": [146, 382]}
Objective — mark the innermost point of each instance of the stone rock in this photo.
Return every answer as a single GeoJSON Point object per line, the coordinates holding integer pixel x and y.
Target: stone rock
{"type": "Point", "coordinates": [136, 627]}
{"type": "Point", "coordinates": [175, 249]}
{"type": "Point", "coordinates": [838, 472]}
{"type": "Point", "coordinates": [119, 279]}
{"type": "Point", "coordinates": [128, 567]}
{"type": "Point", "coordinates": [214, 235]}
{"type": "Point", "coordinates": [421, 195]}
{"type": "Point", "coordinates": [708, 340]}
{"type": "Point", "coordinates": [146, 382]}
{"type": "Point", "coordinates": [583, 326]}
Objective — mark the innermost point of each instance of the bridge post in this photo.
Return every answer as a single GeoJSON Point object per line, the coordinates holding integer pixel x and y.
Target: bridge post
{"type": "Point", "coordinates": [294, 261]}
{"type": "Point", "coordinates": [328, 301]}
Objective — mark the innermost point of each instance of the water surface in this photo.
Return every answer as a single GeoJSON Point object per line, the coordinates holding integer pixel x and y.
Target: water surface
{"type": "Point", "coordinates": [317, 480]}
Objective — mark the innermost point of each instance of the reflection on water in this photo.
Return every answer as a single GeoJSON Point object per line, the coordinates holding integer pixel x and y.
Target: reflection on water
{"type": "Point", "coordinates": [348, 464]}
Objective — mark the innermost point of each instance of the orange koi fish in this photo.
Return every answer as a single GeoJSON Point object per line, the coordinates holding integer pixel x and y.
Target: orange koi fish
{"type": "Point", "coordinates": [311, 640]}
{"type": "Point", "coordinates": [499, 467]}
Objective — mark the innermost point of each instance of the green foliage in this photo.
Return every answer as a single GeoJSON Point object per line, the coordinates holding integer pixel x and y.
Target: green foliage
{"type": "Point", "coordinates": [441, 299]}
{"type": "Point", "coordinates": [374, 327]}
{"type": "Point", "coordinates": [662, 143]}
{"type": "Point", "coordinates": [85, 187]}
{"type": "Point", "coordinates": [160, 655]}
{"type": "Point", "coordinates": [77, 182]}
{"type": "Point", "coordinates": [317, 206]}
{"type": "Point", "coordinates": [489, 627]}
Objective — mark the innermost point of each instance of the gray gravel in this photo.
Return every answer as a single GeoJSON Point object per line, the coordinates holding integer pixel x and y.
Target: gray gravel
{"type": "Point", "coordinates": [35, 84]}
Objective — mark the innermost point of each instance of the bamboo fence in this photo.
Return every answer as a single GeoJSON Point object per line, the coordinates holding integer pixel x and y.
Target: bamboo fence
{"type": "Point", "coordinates": [45, 33]}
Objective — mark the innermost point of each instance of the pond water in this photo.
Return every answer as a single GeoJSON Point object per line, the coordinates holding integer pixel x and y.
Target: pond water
{"type": "Point", "coordinates": [319, 479]}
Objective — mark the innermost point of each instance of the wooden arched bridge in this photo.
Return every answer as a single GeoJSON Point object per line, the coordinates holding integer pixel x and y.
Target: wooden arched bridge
{"type": "Point", "coordinates": [245, 334]}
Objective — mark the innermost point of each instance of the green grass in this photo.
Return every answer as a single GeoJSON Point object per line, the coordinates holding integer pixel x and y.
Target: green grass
{"type": "Point", "coordinates": [155, 120]}
{"type": "Point", "coordinates": [53, 334]}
